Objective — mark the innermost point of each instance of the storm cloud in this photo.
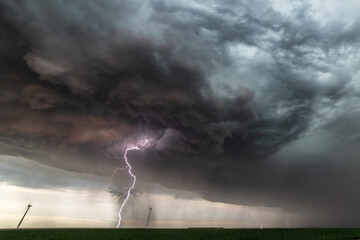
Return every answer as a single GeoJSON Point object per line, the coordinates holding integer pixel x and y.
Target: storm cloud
{"type": "Point", "coordinates": [247, 102]}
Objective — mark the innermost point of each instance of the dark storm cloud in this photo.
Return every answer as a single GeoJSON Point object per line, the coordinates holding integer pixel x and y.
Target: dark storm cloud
{"type": "Point", "coordinates": [148, 83]}
{"type": "Point", "coordinates": [221, 88]}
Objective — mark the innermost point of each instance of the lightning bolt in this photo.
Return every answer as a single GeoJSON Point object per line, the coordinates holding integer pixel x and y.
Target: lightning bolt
{"type": "Point", "coordinates": [132, 182]}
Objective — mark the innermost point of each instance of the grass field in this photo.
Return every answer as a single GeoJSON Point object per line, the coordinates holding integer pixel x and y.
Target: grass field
{"type": "Point", "coordinates": [178, 234]}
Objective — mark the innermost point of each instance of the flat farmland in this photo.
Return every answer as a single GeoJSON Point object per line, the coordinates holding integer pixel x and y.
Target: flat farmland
{"type": "Point", "coordinates": [178, 234]}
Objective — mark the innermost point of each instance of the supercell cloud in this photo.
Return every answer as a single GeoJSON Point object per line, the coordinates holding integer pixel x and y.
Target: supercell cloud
{"type": "Point", "coordinates": [247, 102]}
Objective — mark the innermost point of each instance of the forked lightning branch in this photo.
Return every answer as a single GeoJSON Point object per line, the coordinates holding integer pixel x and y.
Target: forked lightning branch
{"type": "Point", "coordinates": [130, 188]}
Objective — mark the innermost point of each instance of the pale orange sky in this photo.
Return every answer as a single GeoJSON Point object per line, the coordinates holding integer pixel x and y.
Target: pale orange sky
{"type": "Point", "coordinates": [92, 206]}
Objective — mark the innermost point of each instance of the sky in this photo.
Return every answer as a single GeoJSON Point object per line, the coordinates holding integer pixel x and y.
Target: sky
{"type": "Point", "coordinates": [247, 105]}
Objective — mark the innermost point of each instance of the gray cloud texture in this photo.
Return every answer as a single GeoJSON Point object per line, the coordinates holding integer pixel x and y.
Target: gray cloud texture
{"type": "Point", "coordinates": [246, 102]}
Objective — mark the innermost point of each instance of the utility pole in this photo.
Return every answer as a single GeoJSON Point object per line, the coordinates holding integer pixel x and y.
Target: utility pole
{"type": "Point", "coordinates": [28, 207]}
{"type": "Point", "coordinates": [261, 218]}
{"type": "Point", "coordinates": [287, 221]}
{"type": "Point", "coordinates": [148, 220]}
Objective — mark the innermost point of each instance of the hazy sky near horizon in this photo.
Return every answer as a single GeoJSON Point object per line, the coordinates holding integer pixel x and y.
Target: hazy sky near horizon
{"type": "Point", "coordinates": [66, 199]}
{"type": "Point", "coordinates": [245, 103]}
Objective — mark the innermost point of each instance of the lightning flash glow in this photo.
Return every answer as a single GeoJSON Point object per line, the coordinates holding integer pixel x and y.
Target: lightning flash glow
{"type": "Point", "coordinates": [131, 186]}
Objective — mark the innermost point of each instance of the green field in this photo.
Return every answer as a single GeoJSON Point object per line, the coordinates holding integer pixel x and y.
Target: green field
{"type": "Point", "coordinates": [178, 234]}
